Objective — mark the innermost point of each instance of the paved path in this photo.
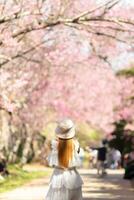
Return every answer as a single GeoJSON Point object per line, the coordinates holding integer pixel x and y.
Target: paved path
{"type": "Point", "coordinates": [95, 188]}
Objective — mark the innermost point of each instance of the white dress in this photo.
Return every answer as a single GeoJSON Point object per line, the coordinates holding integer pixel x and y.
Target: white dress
{"type": "Point", "coordinates": [64, 184]}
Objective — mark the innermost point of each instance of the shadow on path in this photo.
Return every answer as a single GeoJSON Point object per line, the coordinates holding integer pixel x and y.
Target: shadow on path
{"type": "Point", "coordinates": [109, 187]}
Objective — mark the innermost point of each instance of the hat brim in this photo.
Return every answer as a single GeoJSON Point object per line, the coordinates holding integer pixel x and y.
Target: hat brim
{"type": "Point", "coordinates": [67, 135]}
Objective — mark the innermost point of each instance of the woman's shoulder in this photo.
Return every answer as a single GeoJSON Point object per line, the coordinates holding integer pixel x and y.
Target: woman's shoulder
{"type": "Point", "coordinates": [54, 142]}
{"type": "Point", "coordinates": [77, 145]}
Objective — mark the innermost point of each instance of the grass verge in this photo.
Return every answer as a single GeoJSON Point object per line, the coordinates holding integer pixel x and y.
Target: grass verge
{"type": "Point", "coordinates": [19, 177]}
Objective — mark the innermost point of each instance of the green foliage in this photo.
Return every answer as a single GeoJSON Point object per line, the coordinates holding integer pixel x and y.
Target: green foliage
{"type": "Point", "coordinates": [87, 135]}
{"type": "Point", "coordinates": [118, 141]}
{"type": "Point", "coordinates": [126, 72]}
{"type": "Point", "coordinates": [18, 177]}
{"type": "Point", "coordinates": [121, 141]}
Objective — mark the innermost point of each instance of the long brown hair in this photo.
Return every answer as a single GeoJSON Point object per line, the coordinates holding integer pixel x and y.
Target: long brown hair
{"type": "Point", "coordinates": [65, 151]}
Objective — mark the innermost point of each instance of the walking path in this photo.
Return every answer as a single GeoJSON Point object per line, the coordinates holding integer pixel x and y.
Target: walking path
{"type": "Point", "coordinates": [94, 188]}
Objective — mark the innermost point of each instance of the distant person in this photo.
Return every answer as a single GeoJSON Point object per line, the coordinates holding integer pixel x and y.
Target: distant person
{"type": "Point", "coordinates": [93, 157]}
{"type": "Point", "coordinates": [116, 158]}
{"type": "Point", "coordinates": [101, 159]}
{"type": "Point", "coordinates": [109, 158]}
{"type": "Point", "coordinates": [65, 183]}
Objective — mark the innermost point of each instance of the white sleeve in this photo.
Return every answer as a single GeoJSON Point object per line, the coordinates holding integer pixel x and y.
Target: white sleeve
{"type": "Point", "coordinates": [53, 156]}
{"type": "Point", "coordinates": [54, 145]}
{"type": "Point", "coordinates": [77, 146]}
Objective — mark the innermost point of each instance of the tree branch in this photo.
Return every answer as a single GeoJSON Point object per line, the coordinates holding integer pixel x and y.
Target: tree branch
{"type": "Point", "coordinates": [31, 28]}
{"type": "Point", "coordinates": [82, 21]}
{"type": "Point", "coordinates": [118, 21]}
{"type": "Point", "coordinates": [111, 2]}
{"type": "Point", "coordinates": [20, 54]}
{"type": "Point", "coordinates": [96, 32]}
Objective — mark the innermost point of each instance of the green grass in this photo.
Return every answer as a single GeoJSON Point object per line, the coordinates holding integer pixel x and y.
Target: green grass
{"type": "Point", "coordinates": [19, 177]}
{"type": "Point", "coordinates": [126, 72]}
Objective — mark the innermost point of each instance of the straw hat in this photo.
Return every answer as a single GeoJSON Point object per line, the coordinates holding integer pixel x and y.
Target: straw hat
{"type": "Point", "coordinates": [65, 129]}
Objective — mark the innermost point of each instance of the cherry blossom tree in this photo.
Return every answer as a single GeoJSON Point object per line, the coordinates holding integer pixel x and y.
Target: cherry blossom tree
{"type": "Point", "coordinates": [123, 135]}
{"type": "Point", "coordinates": [57, 59]}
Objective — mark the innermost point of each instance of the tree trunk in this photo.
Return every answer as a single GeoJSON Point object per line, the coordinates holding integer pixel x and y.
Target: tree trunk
{"type": "Point", "coordinates": [13, 155]}
{"type": "Point", "coordinates": [5, 132]}
{"type": "Point", "coordinates": [28, 149]}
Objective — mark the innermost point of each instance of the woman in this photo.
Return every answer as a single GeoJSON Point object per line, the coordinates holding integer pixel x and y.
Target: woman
{"type": "Point", "coordinates": [65, 183]}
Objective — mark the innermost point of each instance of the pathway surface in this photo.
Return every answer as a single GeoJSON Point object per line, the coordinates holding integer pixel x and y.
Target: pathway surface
{"type": "Point", "coordinates": [94, 188]}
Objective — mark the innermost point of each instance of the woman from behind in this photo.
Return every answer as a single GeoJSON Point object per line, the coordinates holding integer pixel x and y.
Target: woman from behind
{"type": "Point", "coordinates": [65, 182]}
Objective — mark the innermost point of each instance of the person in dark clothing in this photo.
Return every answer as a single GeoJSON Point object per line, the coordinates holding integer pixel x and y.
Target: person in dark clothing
{"type": "Point", "coordinates": [102, 153]}
{"type": "Point", "coordinates": [3, 167]}
{"type": "Point", "coordinates": [101, 158]}
{"type": "Point", "coordinates": [129, 168]}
